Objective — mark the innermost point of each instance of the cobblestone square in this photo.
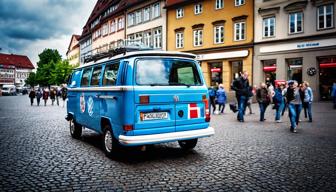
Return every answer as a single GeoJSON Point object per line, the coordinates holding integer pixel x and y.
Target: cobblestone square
{"type": "Point", "coordinates": [38, 154]}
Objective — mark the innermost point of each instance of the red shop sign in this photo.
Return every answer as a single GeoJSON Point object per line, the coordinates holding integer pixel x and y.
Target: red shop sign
{"type": "Point", "coordinates": [216, 70]}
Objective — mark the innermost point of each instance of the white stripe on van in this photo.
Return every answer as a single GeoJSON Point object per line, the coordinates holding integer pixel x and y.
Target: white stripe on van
{"type": "Point", "coordinates": [108, 88]}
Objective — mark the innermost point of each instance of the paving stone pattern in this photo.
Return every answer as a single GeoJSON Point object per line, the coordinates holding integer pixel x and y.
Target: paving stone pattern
{"type": "Point", "coordinates": [37, 153]}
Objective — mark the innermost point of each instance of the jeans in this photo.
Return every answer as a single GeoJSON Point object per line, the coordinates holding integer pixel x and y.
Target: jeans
{"type": "Point", "coordinates": [298, 108]}
{"type": "Point", "coordinates": [242, 100]}
{"type": "Point", "coordinates": [262, 107]}
{"type": "Point", "coordinates": [221, 106]}
{"type": "Point", "coordinates": [213, 104]}
{"type": "Point", "coordinates": [292, 115]}
{"type": "Point", "coordinates": [279, 110]}
{"type": "Point", "coordinates": [307, 110]}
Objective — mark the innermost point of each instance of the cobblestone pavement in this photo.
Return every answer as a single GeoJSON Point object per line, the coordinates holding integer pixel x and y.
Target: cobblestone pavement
{"type": "Point", "coordinates": [37, 153]}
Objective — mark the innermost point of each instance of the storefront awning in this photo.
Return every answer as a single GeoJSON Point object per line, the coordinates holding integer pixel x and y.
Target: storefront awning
{"type": "Point", "coordinates": [327, 65]}
{"type": "Point", "coordinates": [270, 68]}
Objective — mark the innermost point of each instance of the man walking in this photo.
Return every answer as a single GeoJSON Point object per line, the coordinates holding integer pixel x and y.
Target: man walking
{"type": "Point", "coordinates": [241, 86]}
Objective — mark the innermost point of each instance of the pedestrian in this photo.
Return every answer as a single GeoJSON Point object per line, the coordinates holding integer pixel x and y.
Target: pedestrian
{"type": "Point", "coordinates": [58, 94]}
{"type": "Point", "coordinates": [333, 94]}
{"type": "Point", "coordinates": [38, 96]}
{"type": "Point", "coordinates": [294, 104]}
{"type": "Point", "coordinates": [52, 96]}
{"type": "Point", "coordinates": [252, 91]}
{"type": "Point", "coordinates": [45, 96]}
{"type": "Point", "coordinates": [308, 100]}
{"type": "Point", "coordinates": [279, 101]}
{"type": "Point", "coordinates": [32, 96]}
{"type": "Point", "coordinates": [64, 93]}
{"type": "Point", "coordinates": [263, 99]}
{"type": "Point", "coordinates": [221, 98]}
{"type": "Point", "coordinates": [212, 95]}
{"type": "Point", "coordinates": [241, 85]}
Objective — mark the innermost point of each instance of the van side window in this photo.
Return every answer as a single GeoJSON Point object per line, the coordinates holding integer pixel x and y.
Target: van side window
{"type": "Point", "coordinates": [96, 76]}
{"type": "Point", "coordinates": [110, 74]}
{"type": "Point", "coordinates": [186, 75]}
{"type": "Point", "coordinates": [86, 77]}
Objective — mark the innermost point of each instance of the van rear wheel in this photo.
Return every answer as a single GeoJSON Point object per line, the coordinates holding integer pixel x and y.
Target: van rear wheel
{"type": "Point", "coordinates": [75, 129]}
{"type": "Point", "coordinates": [109, 142]}
{"type": "Point", "coordinates": [188, 144]}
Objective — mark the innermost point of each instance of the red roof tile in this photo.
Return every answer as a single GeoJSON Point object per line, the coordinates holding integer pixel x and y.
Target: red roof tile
{"type": "Point", "coordinates": [19, 61]}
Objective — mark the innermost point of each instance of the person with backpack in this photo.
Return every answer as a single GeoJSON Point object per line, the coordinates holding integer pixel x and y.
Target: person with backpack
{"type": "Point", "coordinates": [212, 95]}
{"type": "Point", "coordinates": [263, 99]}
{"type": "Point", "coordinates": [32, 96]}
{"type": "Point", "coordinates": [279, 101]}
{"type": "Point", "coordinates": [221, 98]}
{"type": "Point", "coordinates": [38, 96]}
{"type": "Point", "coordinates": [307, 101]}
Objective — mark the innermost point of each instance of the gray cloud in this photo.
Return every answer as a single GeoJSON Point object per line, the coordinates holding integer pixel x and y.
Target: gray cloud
{"type": "Point", "coordinates": [24, 22]}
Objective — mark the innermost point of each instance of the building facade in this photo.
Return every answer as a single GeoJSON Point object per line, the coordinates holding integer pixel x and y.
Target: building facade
{"type": "Point", "coordinates": [73, 51]}
{"type": "Point", "coordinates": [146, 24]}
{"type": "Point", "coordinates": [296, 40]}
{"type": "Point", "coordinates": [14, 69]}
{"type": "Point", "coordinates": [219, 32]}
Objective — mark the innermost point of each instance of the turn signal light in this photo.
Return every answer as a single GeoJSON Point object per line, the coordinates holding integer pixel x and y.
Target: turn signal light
{"type": "Point", "coordinates": [128, 127]}
{"type": "Point", "coordinates": [144, 99]}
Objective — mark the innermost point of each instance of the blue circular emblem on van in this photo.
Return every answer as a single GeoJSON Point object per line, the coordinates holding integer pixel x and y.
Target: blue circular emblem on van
{"type": "Point", "coordinates": [90, 106]}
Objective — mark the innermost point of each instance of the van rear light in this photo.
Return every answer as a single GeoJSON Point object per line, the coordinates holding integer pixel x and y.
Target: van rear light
{"type": "Point", "coordinates": [128, 127]}
{"type": "Point", "coordinates": [206, 107]}
{"type": "Point", "coordinates": [144, 99]}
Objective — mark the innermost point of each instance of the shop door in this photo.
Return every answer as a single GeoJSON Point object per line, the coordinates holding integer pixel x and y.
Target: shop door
{"type": "Point", "coordinates": [269, 68]}
{"type": "Point", "coordinates": [295, 69]}
{"type": "Point", "coordinates": [216, 73]}
{"type": "Point", "coordinates": [327, 76]}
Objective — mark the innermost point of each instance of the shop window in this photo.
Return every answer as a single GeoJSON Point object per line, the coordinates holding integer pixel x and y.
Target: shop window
{"type": "Point", "coordinates": [269, 68]}
{"type": "Point", "coordinates": [327, 75]}
{"type": "Point", "coordinates": [295, 69]}
{"type": "Point", "coordinates": [216, 73]}
{"type": "Point", "coordinates": [236, 69]}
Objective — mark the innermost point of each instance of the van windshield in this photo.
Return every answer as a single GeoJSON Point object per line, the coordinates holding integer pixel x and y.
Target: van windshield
{"type": "Point", "coordinates": [163, 72]}
{"type": "Point", "coordinates": [5, 88]}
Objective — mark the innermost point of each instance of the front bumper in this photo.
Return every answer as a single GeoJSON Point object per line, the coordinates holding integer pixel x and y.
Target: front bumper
{"type": "Point", "coordinates": [165, 137]}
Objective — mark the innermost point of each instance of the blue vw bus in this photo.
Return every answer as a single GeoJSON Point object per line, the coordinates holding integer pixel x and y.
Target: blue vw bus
{"type": "Point", "coordinates": [139, 98]}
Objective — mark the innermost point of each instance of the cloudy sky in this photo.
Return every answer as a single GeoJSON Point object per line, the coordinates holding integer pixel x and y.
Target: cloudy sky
{"type": "Point", "coordinates": [27, 27]}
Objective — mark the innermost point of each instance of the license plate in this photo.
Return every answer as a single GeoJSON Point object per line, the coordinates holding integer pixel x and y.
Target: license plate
{"type": "Point", "coordinates": [155, 116]}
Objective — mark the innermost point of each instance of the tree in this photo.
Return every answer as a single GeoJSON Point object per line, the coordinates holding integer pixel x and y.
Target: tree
{"type": "Point", "coordinates": [31, 80]}
{"type": "Point", "coordinates": [60, 73]}
{"type": "Point", "coordinates": [47, 56]}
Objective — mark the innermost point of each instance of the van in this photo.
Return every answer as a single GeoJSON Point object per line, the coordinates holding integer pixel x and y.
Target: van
{"type": "Point", "coordinates": [140, 98]}
{"type": "Point", "coordinates": [8, 90]}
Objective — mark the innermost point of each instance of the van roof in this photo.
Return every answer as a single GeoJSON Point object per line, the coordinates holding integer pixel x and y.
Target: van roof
{"type": "Point", "coordinates": [141, 53]}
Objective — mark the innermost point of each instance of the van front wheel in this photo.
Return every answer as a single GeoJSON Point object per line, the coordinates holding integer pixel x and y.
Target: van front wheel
{"type": "Point", "coordinates": [188, 144]}
{"type": "Point", "coordinates": [75, 129]}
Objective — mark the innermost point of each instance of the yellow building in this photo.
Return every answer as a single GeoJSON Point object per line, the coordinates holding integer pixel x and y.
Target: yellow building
{"type": "Point", "coordinates": [73, 51]}
{"type": "Point", "coordinates": [219, 32]}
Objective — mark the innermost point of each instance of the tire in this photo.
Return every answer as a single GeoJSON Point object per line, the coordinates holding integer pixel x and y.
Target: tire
{"type": "Point", "coordinates": [75, 129]}
{"type": "Point", "coordinates": [110, 144]}
{"type": "Point", "coordinates": [187, 144]}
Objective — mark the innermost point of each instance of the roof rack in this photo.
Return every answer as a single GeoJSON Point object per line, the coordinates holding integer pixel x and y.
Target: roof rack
{"type": "Point", "coordinates": [127, 46]}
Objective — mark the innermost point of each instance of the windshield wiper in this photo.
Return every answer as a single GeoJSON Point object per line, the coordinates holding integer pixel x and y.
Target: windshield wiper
{"type": "Point", "coordinates": [158, 84]}
{"type": "Point", "coordinates": [183, 84]}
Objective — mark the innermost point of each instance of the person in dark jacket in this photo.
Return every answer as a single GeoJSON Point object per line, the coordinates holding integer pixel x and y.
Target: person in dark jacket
{"type": "Point", "coordinates": [221, 98]}
{"type": "Point", "coordinates": [263, 99]}
{"type": "Point", "coordinates": [32, 96]}
{"type": "Point", "coordinates": [64, 93]}
{"type": "Point", "coordinates": [38, 96]}
{"type": "Point", "coordinates": [293, 98]}
{"type": "Point", "coordinates": [45, 96]}
{"type": "Point", "coordinates": [52, 95]}
{"type": "Point", "coordinates": [212, 95]}
{"type": "Point", "coordinates": [241, 86]}
{"type": "Point", "coordinates": [279, 101]}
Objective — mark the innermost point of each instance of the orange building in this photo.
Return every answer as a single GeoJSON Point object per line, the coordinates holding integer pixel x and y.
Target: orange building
{"type": "Point", "coordinates": [219, 32]}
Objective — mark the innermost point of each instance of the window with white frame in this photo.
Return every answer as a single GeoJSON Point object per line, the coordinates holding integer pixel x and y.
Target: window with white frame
{"type": "Point", "coordinates": [138, 17]}
{"type": "Point", "coordinates": [138, 37]}
{"type": "Point", "coordinates": [130, 19]}
{"type": "Point", "coordinates": [219, 4]}
{"type": "Point", "coordinates": [198, 8]}
{"type": "Point", "coordinates": [269, 27]}
{"type": "Point", "coordinates": [146, 14]}
{"type": "Point", "coordinates": [113, 27]}
{"type": "Point", "coordinates": [296, 22]}
{"type": "Point", "coordinates": [239, 31]}
{"type": "Point", "coordinates": [219, 34]}
{"type": "Point", "coordinates": [156, 10]}
{"type": "Point", "coordinates": [179, 40]}
{"type": "Point", "coordinates": [148, 38]}
{"type": "Point", "coordinates": [179, 13]}
{"type": "Point", "coordinates": [105, 29]}
{"type": "Point", "coordinates": [325, 14]}
{"type": "Point", "coordinates": [120, 23]}
{"type": "Point", "coordinates": [198, 37]}
{"type": "Point", "coordinates": [157, 42]}
{"type": "Point", "coordinates": [239, 2]}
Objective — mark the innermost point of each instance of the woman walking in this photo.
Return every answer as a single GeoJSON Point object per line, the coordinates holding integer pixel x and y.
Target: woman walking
{"type": "Point", "coordinates": [307, 101]}
{"type": "Point", "coordinates": [263, 99]}
{"type": "Point", "coordinates": [279, 101]}
{"type": "Point", "coordinates": [294, 104]}
{"type": "Point", "coordinates": [221, 98]}
{"type": "Point", "coordinates": [32, 96]}
{"type": "Point", "coordinates": [45, 96]}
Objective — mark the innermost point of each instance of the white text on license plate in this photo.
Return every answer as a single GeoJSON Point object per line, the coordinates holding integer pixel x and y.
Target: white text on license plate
{"type": "Point", "coordinates": [154, 116]}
